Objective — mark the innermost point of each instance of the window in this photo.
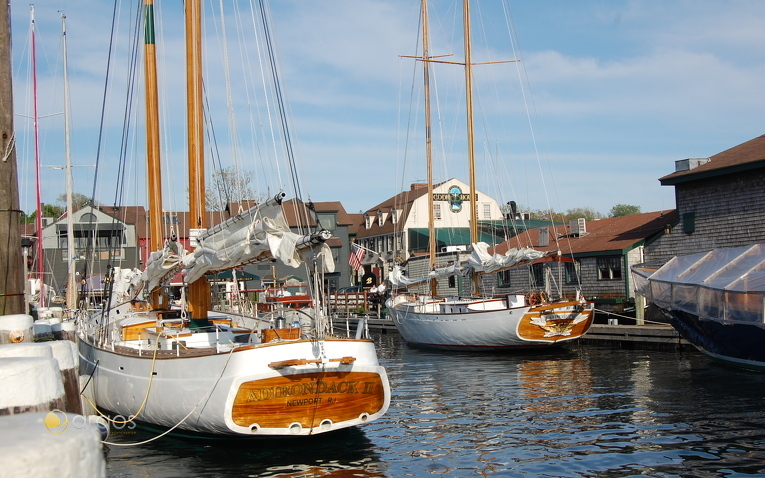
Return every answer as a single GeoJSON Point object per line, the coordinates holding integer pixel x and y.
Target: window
{"type": "Point", "coordinates": [689, 222]}
{"type": "Point", "coordinates": [437, 212]}
{"type": "Point", "coordinates": [327, 221]}
{"type": "Point", "coordinates": [170, 219]}
{"type": "Point", "coordinates": [88, 217]}
{"type": "Point", "coordinates": [503, 279]}
{"type": "Point", "coordinates": [537, 272]}
{"type": "Point", "coordinates": [572, 272]}
{"type": "Point", "coordinates": [609, 268]}
{"type": "Point", "coordinates": [486, 210]}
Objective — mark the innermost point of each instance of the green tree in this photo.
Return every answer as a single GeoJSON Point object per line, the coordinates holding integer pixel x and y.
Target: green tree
{"type": "Point", "coordinates": [78, 201]}
{"type": "Point", "coordinates": [587, 213]}
{"type": "Point", "coordinates": [623, 210]}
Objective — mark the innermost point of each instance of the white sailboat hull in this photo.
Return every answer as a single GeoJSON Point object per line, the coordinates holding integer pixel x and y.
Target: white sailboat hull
{"type": "Point", "coordinates": [487, 324]}
{"type": "Point", "coordinates": [238, 393]}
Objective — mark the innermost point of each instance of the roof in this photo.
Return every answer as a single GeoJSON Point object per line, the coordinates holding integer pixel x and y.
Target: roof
{"type": "Point", "coordinates": [614, 234]}
{"type": "Point", "coordinates": [744, 157]}
{"type": "Point", "coordinates": [402, 201]}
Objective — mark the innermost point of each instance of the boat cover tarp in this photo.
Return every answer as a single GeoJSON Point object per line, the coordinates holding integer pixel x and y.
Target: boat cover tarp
{"type": "Point", "coordinates": [726, 285]}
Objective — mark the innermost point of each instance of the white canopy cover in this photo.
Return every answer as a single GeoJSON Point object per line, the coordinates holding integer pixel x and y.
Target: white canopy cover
{"type": "Point", "coordinates": [727, 285]}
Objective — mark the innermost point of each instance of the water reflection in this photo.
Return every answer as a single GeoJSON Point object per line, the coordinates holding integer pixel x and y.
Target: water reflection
{"type": "Point", "coordinates": [573, 412]}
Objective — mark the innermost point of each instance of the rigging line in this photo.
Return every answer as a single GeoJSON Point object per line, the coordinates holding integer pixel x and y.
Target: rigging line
{"type": "Point", "coordinates": [522, 68]}
{"type": "Point", "coordinates": [265, 94]}
{"type": "Point", "coordinates": [130, 94]}
{"type": "Point", "coordinates": [249, 81]}
{"type": "Point", "coordinates": [103, 103]}
{"type": "Point", "coordinates": [280, 100]}
{"type": "Point", "coordinates": [230, 105]}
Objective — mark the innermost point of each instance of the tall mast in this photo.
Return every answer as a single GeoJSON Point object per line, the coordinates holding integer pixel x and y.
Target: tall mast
{"type": "Point", "coordinates": [470, 140]}
{"type": "Point", "coordinates": [152, 138]}
{"type": "Point", "coordinates": [469, 115]}
{"type": "Point", "coordinates": [38, 197]}
{"type": "Point", "coordinates": [199, 290]}
{"type": "Point", "coordinates": [71, 283]}
{"type": "Point", "coordinates": [428, 143]}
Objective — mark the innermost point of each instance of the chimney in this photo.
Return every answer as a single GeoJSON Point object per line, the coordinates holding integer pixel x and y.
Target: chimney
{"type": "Point", "coordinates": [689, 164]}
{"type": "Point", "coordinates": [544, 237]}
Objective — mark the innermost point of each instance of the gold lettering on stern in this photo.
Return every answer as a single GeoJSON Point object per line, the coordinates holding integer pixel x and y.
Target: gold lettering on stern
{"type": "Point", "coordinates": [301, 389]}
{"type": "Point", "coordinates": [556, 324]}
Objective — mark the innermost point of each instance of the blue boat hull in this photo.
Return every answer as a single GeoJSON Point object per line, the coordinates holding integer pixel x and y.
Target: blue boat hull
{"type": "Point", "coordinates": [737, 344]}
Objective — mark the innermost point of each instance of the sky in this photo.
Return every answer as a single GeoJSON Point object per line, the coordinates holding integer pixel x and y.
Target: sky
{"type": "Point", "coordinates": [619, 90]}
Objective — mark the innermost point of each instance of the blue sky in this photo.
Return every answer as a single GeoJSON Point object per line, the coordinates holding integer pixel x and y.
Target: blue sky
{"type": "Point", "coordinates": [621, 90]}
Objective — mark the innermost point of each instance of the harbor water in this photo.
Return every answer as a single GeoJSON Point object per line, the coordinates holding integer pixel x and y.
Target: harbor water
{"type": "Point", "coordinates": [580, 411]}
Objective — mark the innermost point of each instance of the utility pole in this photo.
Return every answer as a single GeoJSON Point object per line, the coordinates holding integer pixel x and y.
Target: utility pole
{"type": "Point", "coordinates": [12, 277]}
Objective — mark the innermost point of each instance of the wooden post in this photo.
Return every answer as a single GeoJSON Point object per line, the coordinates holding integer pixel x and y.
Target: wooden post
{"type": "Point", "coordinates": [12, 279]}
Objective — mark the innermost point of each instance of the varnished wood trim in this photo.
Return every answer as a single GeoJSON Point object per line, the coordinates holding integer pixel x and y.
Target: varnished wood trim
{"type": "Point", "coordinates": [296, 362]}
{"type": "Point", "coordinates": [307, 399]}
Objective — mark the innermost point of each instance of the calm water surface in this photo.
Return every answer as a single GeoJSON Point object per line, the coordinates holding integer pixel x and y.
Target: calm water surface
{"type": "Point", "coordinates": [583, 411]}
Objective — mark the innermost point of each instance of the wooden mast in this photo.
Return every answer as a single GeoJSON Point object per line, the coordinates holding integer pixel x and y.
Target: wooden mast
{"type": "Point", "coordinates": [470, 140]}
{"type": "Point", "coordinates": [152, 142]}
{"type": "Point", "coordinates": [13, 280]}
{"type": "Point", "coordinates": [429, 145]}
{"type": "Point", "coordinates": [199, 290]}
{"type": "Point", "coordinates": [71, 283]}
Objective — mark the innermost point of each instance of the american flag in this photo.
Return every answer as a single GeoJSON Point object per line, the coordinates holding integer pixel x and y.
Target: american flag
{"type": "Point", "coordinates": [357, 254]}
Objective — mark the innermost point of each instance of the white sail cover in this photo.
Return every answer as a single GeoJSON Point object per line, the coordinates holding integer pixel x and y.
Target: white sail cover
{"type": "Point", "coordinates": [481, 261]}
{"type": "Point", "coordinates": [726, 285]}
{"type": "Point", "coordinates": [243, 238]}
{"type": "Point", "coordinates": [126, 283]}
{"type": "Point", "coordinates": [398, 279]}
{"type": "Point", "coordinates": [162, 264]}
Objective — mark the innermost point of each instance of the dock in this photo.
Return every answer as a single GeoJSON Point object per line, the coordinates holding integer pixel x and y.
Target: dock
{"type": "Point", "coordinates": [648, 336]}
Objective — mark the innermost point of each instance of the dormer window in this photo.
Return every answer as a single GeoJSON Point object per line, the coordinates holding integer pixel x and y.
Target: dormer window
{"type": "Point", "coordinates": [394, 215]}
{"type": "Point", "coordinates": [381, 216]}
{"type": "Point", "coordinates": [367, 221]}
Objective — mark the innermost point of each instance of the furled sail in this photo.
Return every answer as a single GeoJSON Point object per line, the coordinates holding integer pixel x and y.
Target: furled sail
{"type": "Point", "coordinates": [483, 262]}
{"type": "Point", "coordinates": [163, 264]}
{"type": "Point", "coordinates": [259, 233]}
{"type": "Point", "coordinates": [479, 261]}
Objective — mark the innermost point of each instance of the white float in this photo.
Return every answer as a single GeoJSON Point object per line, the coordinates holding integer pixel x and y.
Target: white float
{"type": "Point", "coordinates": [16, 328]}
{"type": "Point", "coordinates": [35, 445]}
{"type": "Point", "coordinates": [30, 384]}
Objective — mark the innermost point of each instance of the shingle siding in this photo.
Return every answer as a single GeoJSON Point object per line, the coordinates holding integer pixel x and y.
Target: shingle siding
{"type": "Point", "coordinates": [729, 211]}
